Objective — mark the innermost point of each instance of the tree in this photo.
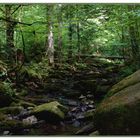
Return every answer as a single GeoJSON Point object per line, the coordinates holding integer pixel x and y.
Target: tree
{"type": "Point", "coordinates": [133, 33]}
{"type": "Point", "coordinates": [50, 40]}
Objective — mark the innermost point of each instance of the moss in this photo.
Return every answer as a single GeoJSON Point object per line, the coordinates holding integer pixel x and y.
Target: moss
{"type": "Point", "coordinates": [89, 114]}
{"type": "Point", "coordinates": [11, 110]}
{"type": "Point", "coordinates": [128, 81]}
{"type": "Point", "coordinates": [53, 107]}
{"type": "Point", "coordinates": [26, 104]}
{"type": "Point", "coordinates": [6, 89]}
{"type": "Point", "coordinates": [12, 125]}
{"type": "Point", "coordinates": [119, 114]}
{"type": "Point", "coordinates": [120, 120]}
{"type": "Point", "coordinates": [2, 116]}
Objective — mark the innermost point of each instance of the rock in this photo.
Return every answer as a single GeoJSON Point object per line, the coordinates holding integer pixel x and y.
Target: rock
{"type": "Point", "coordinates": [86, 115]}
{"type": "Point", "coordinates": [89, 114]}
{"type": "Point", "coordinates": [128, 81]}
{"type": "Point", "coordinates": [6, 132]}
{"type": "Point", "coordinates": [23, 103]}
{"type": "Point", "coordinates": [86, 85]}
{"type": "Point", "coordinates": [71, 93]}
{"type": "Point", "coordinates": [10, 125]}
{"type": "Point", "coordinates": [101, 91]}
{"type": "Point", "coordinates": [50, 112]}
{"type": "Point", "coordinates": [119, 112]}
{"type": "Point", "coordinates": [95, 133]}
{"type": "Point", "coordinates": [82, 97]}
{"type": "Point", "coordinates": [30, 120]}
{"type": "Point", "coordinates": [86, 129]}
{"type": "Point", "coordinates": [11, 110]}
{"type": "Point", "coordinates": [76, 123]}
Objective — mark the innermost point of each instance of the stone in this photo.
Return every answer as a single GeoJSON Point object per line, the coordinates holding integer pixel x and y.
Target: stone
{"type": "Point", "coordinates": [95, 133]}
{"type": "Point", "coordinates": [119, 112]}
{"type": "Point", "coordinates": [50, 112]}
{"type": "Point", "coordinates": [30, 120]}
{"type": "Point", "coordinates": [87, 129]}
{"type": "Point", "coordinates": [6, 132]}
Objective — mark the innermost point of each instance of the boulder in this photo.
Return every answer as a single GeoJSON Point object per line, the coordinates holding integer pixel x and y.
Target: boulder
{"type": "Point", "coordinates": [50, 112]}
{"type": "Point", "coordinates": [119, 112]}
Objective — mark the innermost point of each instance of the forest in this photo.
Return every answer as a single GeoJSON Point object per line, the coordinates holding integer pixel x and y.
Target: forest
{"type": "Point", "coordinates": [69, 69]}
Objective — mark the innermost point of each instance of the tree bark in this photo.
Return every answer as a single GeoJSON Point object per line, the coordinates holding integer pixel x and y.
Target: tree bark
{"type": "Point", "coordinates": [9, 33]}
{"type": "Point", "coordinates": [133, 35]}
{"type": "Point", "coordinates": [59, 48]}
{"type": "Point", "coordinates": [50, 40]}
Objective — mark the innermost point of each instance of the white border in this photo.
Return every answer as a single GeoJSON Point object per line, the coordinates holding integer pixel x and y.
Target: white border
{"type": "Point", "coordinates": [70, 1]}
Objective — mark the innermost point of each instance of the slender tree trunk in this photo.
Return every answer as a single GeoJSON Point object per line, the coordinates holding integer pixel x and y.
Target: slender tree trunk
{"type": "Point", "coordinates": [78, 31]}
{"type": "Point", "coordinates": [78, 37]}
{"type": "Point", "coordinates": [59, 18]}
{"type": "Point", "coordinates": [70, 41]}
{"type": "Point", "coordinates": [133, 36]}
{"type": "Point", "coordinates": [9, 33]}
{"type": "Point", "coordinates": [70, 33]}
{"type": "Point", "coordinates": [50, 40]}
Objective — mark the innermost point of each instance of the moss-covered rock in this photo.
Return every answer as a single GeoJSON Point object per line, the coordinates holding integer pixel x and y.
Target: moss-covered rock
{"type": "Point", "coordinates": [12, 125]}
{"type": "Point", "coordinates": [52, 111]}
{"type": "Point", "coordinates": [11, 110]}
{"type": "Point", "coordinates": [119, 114]}
{"type": "Point", "coordinates": [128, 81]}
{"type": "Point", "coordinates": [22, 103]}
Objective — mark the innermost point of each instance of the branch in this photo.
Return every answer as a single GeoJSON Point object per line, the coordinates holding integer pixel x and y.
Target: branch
{"type": "Point", "coordinates": [16, 9]}
{"type": "Point", "coordinates": [17, 22]}
{"type": "Point", "coordinates": [2, 10]}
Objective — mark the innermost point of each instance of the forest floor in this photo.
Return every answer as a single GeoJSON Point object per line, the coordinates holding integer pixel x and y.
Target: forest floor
{"type": "Point", "coordinates": [79, 87]}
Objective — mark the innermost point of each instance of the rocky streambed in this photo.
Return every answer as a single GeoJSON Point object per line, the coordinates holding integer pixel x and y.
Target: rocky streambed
{"type": "Point", "coordinates": [64, 105]}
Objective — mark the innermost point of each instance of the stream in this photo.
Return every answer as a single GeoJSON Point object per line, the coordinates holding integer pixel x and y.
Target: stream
{"type": "Point", "coordinates": [79, 89]}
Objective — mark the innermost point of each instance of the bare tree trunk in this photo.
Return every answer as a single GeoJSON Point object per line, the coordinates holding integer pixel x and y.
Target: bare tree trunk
{"type": "Point", "coordinates": [50, 41]}
{"type": "Point", "coordinates": [59, 18]}
{"type": "Point", "coordinates": [9, 33]}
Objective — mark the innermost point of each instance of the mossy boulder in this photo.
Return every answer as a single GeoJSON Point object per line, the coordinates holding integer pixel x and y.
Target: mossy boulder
{"type": "Point", "coordinates": [128, 81]}
{"type": "Point", "coordinates": [51, 112]}
{"type": "Point", "coordinates": [119, 112]}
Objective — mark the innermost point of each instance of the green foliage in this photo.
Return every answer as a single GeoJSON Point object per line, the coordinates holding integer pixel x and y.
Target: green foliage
{"type": "Point", "coordinates": [80, 65]}
{"type": "Point", "coordinates": [6, 88]}
{"type": "Point", "coordinates": [36, 70]}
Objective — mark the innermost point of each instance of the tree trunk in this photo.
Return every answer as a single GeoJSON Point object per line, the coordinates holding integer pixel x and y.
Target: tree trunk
{"type": "Point", "coordinates": [50, 41]}
{"type": "Point", "coordinates": [78, 31]}
{"type": "Point", "coordinates": [70, 33]}
{"type": "Point", "coordinates": [133, 35]}
{"type": "Point", "coordinates": [70, 41]}
{"type": "Point", "coordinates": [59, 18]}
{"type": "Point", "coordinates": [9, 33]}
